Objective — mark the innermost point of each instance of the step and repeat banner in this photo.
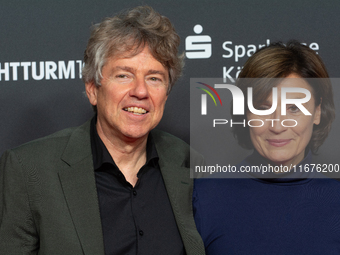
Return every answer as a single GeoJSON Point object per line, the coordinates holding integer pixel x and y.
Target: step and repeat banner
{"type": "Point", "coordinates": [42, 45]}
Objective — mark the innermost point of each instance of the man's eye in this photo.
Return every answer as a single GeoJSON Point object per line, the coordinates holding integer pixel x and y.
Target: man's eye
{"type": "Point", "coordinates": [121, 76]}
{"type": "Point", "coordinates": [155, 79]}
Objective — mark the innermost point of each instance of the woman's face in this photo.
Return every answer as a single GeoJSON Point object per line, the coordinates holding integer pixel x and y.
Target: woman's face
{"type": "Point", "coordinates": [280, 144]}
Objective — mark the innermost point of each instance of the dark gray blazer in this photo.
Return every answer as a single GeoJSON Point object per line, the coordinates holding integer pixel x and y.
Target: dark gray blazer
{"type": "Point", "coordinates": [48, 198]}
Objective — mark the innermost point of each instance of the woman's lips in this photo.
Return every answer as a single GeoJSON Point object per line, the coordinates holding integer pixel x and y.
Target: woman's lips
{"type": "Point", "coordinates": [278, 142]}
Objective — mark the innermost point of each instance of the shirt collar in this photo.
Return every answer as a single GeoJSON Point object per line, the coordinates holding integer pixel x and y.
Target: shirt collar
{"type": "Point", "coordinates": [101, 155]}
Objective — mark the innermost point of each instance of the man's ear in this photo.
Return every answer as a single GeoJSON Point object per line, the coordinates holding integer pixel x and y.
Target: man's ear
{"type": "Point", "coordinates": [91, 92]}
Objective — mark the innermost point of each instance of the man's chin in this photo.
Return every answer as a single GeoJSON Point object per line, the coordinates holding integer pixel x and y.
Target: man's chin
{"type": "Point", "coordinates": [136, 135]}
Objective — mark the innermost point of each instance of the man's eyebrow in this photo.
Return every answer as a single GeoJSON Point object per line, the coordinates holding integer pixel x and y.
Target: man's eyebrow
{"type": "Point", "coordinates": [124, 68]}
{"type": "Point", "coordinates": [157, 72]}
{"type": "Point", "coordinates": [121, 68]}
{"type": "Point", "coordinates": [132, 70]}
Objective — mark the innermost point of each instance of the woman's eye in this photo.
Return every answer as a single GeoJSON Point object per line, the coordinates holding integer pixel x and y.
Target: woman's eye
{"type": "Point", "coordinates": [263, 107]}
{"type": "Point", "coordinates": [293, 108]}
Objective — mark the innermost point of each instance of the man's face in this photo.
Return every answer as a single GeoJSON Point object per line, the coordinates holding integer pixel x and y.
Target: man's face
{"type": "Point", "coordinates": [130, 102]}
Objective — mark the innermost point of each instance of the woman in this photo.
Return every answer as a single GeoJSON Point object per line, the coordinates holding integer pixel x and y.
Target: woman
{"type": "Point", "coordinates": [291, 212]}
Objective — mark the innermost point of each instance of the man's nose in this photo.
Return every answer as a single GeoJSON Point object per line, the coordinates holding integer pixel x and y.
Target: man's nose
{"type": "Point", "coordinates": [140, 88]}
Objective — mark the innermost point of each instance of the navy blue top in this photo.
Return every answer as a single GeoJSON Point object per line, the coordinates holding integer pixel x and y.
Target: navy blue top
{"type": "Point", "coordinates": [268, 216]}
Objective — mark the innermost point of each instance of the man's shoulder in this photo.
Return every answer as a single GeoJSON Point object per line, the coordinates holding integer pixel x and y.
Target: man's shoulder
{"type": "Point", "coordinates": [174, 149]}
{"type": "Point", "coordinates": [165, 139]}
{"type": "Point", "coordinates": [53, 142]}
{"type": "Point", "coordinates": [170, 145]}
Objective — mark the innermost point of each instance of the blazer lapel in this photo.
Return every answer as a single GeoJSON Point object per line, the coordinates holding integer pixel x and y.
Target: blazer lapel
{"type": "Point", "coordinates": [78, 183]}
{"type": "Point", "coordinates": [179, 186]}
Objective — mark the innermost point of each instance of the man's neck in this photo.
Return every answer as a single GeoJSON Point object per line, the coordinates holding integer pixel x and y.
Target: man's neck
{"type": "Point", "coordinates": [128, 154]}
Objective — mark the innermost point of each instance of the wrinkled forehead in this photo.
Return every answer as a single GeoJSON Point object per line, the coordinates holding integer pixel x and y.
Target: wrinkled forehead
{"type": "Point", "coordinates": [130, 49]}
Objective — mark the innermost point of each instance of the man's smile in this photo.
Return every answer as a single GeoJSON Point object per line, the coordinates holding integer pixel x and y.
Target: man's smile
{"type": "Point", "coordinates": [135, 110]}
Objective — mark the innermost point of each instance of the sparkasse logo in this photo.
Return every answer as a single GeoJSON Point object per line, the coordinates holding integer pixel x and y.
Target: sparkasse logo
{"type": "Point", "coordinates": [198, 46]}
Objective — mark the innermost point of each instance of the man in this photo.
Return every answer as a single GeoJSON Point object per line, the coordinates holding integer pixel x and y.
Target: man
{"type": "Point", "coordinates": [109, 186]}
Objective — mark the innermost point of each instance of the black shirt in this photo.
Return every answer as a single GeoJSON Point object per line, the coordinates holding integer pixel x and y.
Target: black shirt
{"type": "Point", "coordinates": [135, 220]}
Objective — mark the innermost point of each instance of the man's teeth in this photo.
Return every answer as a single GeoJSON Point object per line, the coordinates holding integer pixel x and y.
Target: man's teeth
{"type": "Point", "coordinates": [135, 110]}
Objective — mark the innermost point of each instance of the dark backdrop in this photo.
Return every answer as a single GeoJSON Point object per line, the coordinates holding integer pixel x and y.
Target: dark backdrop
{"type": "Point", "coordinates": [54, 34]}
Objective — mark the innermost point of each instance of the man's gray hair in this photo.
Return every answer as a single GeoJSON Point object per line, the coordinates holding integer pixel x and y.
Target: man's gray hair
{"type": "Point", "coordinates": [128, 33]}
